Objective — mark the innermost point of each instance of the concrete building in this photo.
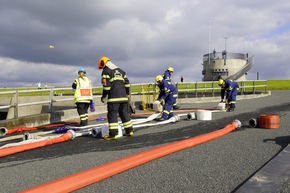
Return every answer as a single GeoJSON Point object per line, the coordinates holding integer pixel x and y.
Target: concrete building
{"type": "Point", "coordinates": [226, 64]}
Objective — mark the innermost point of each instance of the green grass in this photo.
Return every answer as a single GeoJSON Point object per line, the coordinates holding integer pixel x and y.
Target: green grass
{"type": "Point", "coordinates": [278, 84]}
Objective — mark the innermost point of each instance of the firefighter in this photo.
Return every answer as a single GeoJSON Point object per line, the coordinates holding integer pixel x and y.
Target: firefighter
{"type": "Point", "coordinates": [167, 76]}
{"type": "Point", "coordinates": [83, 95]}
{"type": "Point", "coordinates": [166, 97]}
{"type": "Point", "coordinates": [231, 88]}
{"type": "Point", "coordinates": [116, 88]}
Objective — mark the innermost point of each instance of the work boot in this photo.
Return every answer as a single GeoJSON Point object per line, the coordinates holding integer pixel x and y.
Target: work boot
{"type": "Point", "coordinates": [83, 123]}
{"type": "Point", "coordinates": [109, 137]}
{"type": "Point", "coordinates": [230, 109]}
{"type": "Point", "coordinates": [160, 119]}
{"type": "Point", "coordinates": [129, 132]}
{"type": "Point", "coordinates": [176, 107]}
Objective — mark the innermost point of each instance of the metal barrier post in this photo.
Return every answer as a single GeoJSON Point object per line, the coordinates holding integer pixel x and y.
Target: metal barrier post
{"type": "Point", "coordinates": [242, 85]}
{"type": "Point", "coordinates": [195, 89]}
{"type": "Point", "coordinates": [51, 100]}
{"type": "Point", "coordinates": [16, 107]}
{"type": "Point", "coordinates": [212, 85]}
{"type": "Point", "coordinates": [254, 87]}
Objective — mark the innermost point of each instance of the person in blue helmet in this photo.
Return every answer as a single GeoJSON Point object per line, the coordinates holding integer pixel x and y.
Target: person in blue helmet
{"type": "Point", "coordinates": [166, 97]}
{"type": "Point", "coordinates": [167, 76]}
{"type": "Point", "coordinates": [83, 95]}
{"type": "Point", "coordinates": [231, 89]}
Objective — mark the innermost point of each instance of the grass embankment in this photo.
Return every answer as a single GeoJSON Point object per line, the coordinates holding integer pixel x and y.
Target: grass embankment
{"type": "Point", "coordinates": [278, 84]}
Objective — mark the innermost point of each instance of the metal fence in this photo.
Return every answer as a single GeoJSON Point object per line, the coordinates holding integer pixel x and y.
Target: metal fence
{"type": "Point", "coordinates": [191, 89]}
{"type": "Point", "coordinates": [211, 88]}
{"type": "Point", "coordinates": [52, 98]}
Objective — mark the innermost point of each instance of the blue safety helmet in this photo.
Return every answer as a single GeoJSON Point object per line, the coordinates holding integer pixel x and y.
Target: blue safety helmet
{"type": "Point", "coordinates": [82, 70]}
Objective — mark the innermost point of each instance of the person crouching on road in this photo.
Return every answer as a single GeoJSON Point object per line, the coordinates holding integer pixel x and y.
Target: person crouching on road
{"type": "Point", "coordinates": [231, 88]}
{"type": "Point", "coordinates": [166, 97]}
{"type": "Point", "coordinates": [167, 76]}
{"type": "Point", "coordinates": [116, 87]}
{"type": "Point", "coordinates": [83, 95]}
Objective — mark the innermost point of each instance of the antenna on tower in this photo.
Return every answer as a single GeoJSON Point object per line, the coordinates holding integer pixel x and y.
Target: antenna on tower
{"type": "Point", "coordinates": [226, 37]}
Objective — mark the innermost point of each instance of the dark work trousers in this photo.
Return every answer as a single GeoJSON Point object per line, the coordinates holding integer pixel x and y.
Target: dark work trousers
{"type": "Point", "coordinates": [168, 107]}
{"type": "Point", "coordinates": [82, 109]}
{"type": "Point", "coordinates": [232, 98]}
{"type": "Point", "coordinates": [113, 110]}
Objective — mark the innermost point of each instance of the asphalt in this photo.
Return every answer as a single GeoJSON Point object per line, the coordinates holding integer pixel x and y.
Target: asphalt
{"type": "Point", "coordinates": [222, 165]}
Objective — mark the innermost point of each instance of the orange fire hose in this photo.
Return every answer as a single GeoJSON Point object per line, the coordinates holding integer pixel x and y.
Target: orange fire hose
{"type": "Point", "coordinates": [16, 149]}
{"type": "Point", "coordinates": [20, 129]}
{"type": "Point", "coordinates": [90, 176]}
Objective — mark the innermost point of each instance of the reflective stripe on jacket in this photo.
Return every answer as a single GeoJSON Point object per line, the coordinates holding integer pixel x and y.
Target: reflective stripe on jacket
{"type": "Point", "coordinates": [166, 88]}
{"type": "Point", "coordinates": [230, 86]}
{"type": "Point", "coordinates": [116, 85]}
{"type": "Point", "coordinates": [83, 91]}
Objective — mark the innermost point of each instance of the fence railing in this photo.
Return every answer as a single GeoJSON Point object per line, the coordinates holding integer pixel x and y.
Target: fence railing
{"type": "Point", "coordinates": [192, 88]}
{"type": "Point", "coordinates": [249, 86]}
{"type": "Point", "coordinates": [51, 94]}
{"type": "Point", "coordinates": [212, 88]}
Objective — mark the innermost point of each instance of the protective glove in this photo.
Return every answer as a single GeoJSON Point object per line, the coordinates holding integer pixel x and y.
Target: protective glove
{"type": "Point", "coordinates": [103, 99]}
{"type": "Point", "coordinates": [129, 98]}
{"type": "Point", "coordinates": [92, 106]}
{"type": "Point", "coordinates": [162, 102]}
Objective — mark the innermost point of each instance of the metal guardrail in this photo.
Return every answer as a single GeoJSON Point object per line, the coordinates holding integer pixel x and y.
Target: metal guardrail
{"type": "Point", "coordinates": [242, 90]}
{"type": "Point", "coordinates": [51, 93]}
{"type": "Point", "coordinates": [191, 87]}
{"type": "Point", "coordinates": [194, 87]}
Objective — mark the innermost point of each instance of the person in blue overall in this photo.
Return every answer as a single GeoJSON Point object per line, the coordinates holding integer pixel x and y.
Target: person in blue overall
{"type": "Point", "coordinates": [167, 76]}
{"type": "Point", "coordinates": [231, 88]}
{"type": "Point", "coordinates": [166, 97]}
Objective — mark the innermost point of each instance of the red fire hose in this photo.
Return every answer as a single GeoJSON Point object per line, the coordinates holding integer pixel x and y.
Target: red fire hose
{"type": "Point", "coordinates": [87, 177]}
{"type": "Point", "coordinates": [16, 149]}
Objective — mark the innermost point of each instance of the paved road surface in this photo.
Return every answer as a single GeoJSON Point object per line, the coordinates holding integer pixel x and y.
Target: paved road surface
{"type": "Point", "coordinates": [219, 166]}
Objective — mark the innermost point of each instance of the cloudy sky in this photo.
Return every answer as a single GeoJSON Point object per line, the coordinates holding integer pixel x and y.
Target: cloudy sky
{"type": "Point", "coordinates": [143, 37]}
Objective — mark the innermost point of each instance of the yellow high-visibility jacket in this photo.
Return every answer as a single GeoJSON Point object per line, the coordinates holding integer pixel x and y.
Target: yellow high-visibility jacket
{"type": "Point", "coordinates": [83, 92]}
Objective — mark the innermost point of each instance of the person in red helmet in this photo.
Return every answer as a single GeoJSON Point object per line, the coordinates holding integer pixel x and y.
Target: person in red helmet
{"type": "Point", "coordinates": [116, 89]}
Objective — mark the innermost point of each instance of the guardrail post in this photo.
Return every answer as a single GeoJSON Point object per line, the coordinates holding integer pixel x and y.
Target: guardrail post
{"type": "Point", "coordinates": [266, 86]}
{"type": "Point", "coordinates": [51, 100]}
{"type": "Point", "coordinates": [195, 86]}
{"type": "Point", "coordinates": [16, 107]}
{"type": "Point", "coordinates": [254, 86]}
{"type": "Point", "coordinates": [186, 94]}
{"type": "Point", "coordinates": [212, 88]}
{"type": "Point", "coordinates": [242, 89]}
{"type": "Point", "coordinates": [176, 86]}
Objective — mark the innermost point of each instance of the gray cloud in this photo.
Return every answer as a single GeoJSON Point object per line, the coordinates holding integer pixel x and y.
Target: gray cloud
{"type": "Point", "coordinates": [142, 37]}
